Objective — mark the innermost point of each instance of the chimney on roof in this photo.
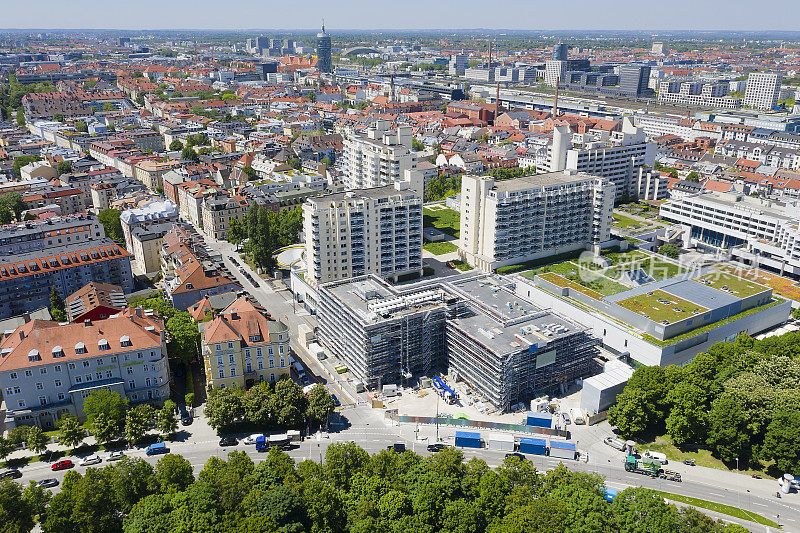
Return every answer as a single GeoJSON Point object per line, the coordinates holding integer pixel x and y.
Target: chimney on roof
{"type": "Point", "coordinates": [87, 323]}
{"type": "Point", "coordinates": [555, 100]}
{"type": "Point", "coordinates": [234, 316]}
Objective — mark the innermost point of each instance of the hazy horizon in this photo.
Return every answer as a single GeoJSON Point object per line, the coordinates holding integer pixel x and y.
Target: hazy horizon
{"type": "Point", "coordinates": [359, 15]}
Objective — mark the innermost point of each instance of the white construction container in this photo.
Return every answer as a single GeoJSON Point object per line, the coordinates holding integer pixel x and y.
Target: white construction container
{"type": "Point", "coordinates": [501, 442]}
{"type": "Point", "coordinates": [317, 351]}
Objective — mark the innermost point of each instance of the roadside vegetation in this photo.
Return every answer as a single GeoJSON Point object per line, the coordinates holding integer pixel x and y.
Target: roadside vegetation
{"type": "Point", "coordinates": [734, 406]}
{"type": "Point", "coordinates": [350, 491]}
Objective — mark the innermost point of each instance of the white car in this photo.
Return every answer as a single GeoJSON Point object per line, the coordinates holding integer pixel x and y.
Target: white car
{"type": "Point", "coordinates": [655, 455]}
{"type": "Point", "coordinates": [90, 460]}
{"type": "Point", "coordinates": [252, 438]}
{"type": "Point", "coordinates": [115, 456]}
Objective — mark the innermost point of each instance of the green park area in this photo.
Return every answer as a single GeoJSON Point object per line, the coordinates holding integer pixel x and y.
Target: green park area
{"type": "Point", "coordinates": [442, 218]}
{"type": "Point", "coordinates": [440, 248]}
{"type": "Point", "coordinates": [660, 306]}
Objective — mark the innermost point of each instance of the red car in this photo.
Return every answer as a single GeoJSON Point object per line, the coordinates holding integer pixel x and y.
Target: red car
{"type": "Point", "coordinates": [62, 465]}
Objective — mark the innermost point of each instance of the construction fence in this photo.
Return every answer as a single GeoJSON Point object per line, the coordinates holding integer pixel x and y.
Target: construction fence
{"type": "Point", "coordinates": [459, 422]}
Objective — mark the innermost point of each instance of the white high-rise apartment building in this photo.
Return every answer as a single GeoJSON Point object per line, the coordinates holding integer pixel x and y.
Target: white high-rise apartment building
{"type": "Point", "coordinates": [517, 220]}
{"type": "Point", "coordinates": [762, 89]}
{"type": "Point", "coordinates": [616, 155]}
{"type": "Point", "coordinates": [554, 70]}
{"type": "Point", "coordinates": [379, 157]}
{"type": "Point", "coordinates": [369, 231]}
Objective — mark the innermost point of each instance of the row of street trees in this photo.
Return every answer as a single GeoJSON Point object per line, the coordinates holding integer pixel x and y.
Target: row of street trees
{"type": "Point", "coordinates": [109, 418]}
{"type": "Point", "coordinates": [269, 405]}
{"type": "Point", "coordinates": [350, 491]}
{"type": "Point", "coordinates": [740, 400]}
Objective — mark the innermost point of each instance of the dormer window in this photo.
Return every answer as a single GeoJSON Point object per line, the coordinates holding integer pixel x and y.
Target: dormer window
{"type": "Point", "coordinates": [255, 338]}
{"type": "Point", "coordinates": [125, 341]}
{"type": "Point", "coordinates": [33, 355]}
{"type": "Point", "coordinates": [58, 351]}
{"type": "Point", "coordinates": [80, 348]}
{"type": "Point", "coordinates": [102, 344]}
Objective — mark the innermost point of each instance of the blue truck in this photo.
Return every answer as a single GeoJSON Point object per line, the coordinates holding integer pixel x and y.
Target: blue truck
{"type": "Point", "coordinates": [468, 439]}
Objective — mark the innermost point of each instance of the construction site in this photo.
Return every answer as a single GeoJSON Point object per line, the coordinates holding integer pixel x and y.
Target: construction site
{"type": "Point", "coordinates": [502, 349]}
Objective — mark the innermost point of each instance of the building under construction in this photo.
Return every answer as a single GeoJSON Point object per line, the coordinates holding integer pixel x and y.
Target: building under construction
{"type": "Point", "coordinates": [508, 349]}
{"type": "Point", "coordinates": [476, 329]}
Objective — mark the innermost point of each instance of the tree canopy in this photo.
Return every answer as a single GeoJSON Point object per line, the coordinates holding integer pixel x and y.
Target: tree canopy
{"type": "Point", "coordinates": [739, 399]}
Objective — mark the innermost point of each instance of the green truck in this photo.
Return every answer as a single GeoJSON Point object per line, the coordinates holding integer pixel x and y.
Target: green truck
{"type": "Point", "coordinates": [648, 467]}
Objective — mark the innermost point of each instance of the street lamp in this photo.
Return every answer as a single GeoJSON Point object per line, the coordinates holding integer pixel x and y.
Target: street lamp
{"type": "Point", "coordinates": [738, 493]}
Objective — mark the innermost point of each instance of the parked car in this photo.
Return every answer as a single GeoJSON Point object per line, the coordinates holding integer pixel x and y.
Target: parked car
{"type": "Point", "coordinates": [90, 460]}
{"type": "Point", "coordinates": [515, 454]}
{"type": "Point", "coordinates": [61, 465]}
{"type": "Point", "coordinates": [115, 456]}
{"type": "Point", "coordinates": [565, 417]}
{"type": "Point", "coordinates": [49, 482]}
{"type": "Point", "coordinates": [336, 401]}
{"type": "Point", "coordinates": [186, 420]}
{"type": "Point", "coordinates": [252, 438]}
{"type": "Point", "coordinates": [614, 443]}
{"type": "Point", "coordinates": [399, 447]}
{"type": "Point", "coordinates": [11, 473]}
{"type": "Point", "coordinates": [228, 441]}
{"type": "Point", "coordinates": [438, 446]}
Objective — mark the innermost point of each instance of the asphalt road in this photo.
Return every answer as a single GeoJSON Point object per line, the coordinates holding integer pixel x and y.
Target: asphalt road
{"type": "Point", "coordinates": [368, 428]}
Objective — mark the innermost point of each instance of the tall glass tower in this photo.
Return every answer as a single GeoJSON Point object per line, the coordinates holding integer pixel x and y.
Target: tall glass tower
{"type": "Point", "coordinates": [324, 51]}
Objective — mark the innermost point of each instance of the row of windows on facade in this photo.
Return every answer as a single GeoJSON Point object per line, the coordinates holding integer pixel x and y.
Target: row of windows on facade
{"type": "Point", "coordinates": [10, 391]}
{"type": "Point", "coordinates": [253, 338]}
{"type": "Point", "coordinates": [249, 364]}
{"type": "Point", "coordinates": [71, 366]}
{"type": "Point", "coordinates": [43, 400]}
{"type": "Point", "coordinates": [260, 378]}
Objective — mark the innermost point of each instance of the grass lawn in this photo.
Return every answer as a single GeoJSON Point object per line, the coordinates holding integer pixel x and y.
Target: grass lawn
{"type": "Point", "coordinates": [724, 281]}
{"type": "Point", "coordinates": [569, 270]}
{"type": "Point", "coordinates": [463, 266]}
{"type": "Point", "coordinates": [439, 248]}
{"type": "Point", "coordinates": [783, 286]}
{"type": "Point", "coordinates": [659, 306]}
{"type": "Point", "coordinates": [623, 222]}
{"type": "Point", "coordinates": [561, 281]}
{"type": "Point", "coordinates": [445, 220]}
{"type": "Point", "coordinates": [719, 508]}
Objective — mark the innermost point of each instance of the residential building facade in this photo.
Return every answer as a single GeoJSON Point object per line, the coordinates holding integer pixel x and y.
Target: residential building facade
{"type": "Point", "coordinates": [243, 346]}
{"type": "Point", "coordinates": [48, 369]}
{"type": "Point", "coordinates": [361, 232]}
{"type": "Point", "coordinates": [517, 220]}
{"type": "Point", "coordinates": [378, 157]}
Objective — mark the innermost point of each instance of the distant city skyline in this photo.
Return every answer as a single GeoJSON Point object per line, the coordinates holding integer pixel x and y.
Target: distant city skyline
{"type": "Point", "coordinates": [739, 15]}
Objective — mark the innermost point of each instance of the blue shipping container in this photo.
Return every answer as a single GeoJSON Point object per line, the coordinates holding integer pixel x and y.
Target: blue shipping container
{"type": "Point", "coordinates": [542, 420]}
{"type": "Point", "coordinates": [534, 446]}
{"type": "Point", "coordinates": [468, 439]}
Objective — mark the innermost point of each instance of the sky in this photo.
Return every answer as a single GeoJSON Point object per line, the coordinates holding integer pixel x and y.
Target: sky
{"type": "Point", "coordinates": [754, 15]}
